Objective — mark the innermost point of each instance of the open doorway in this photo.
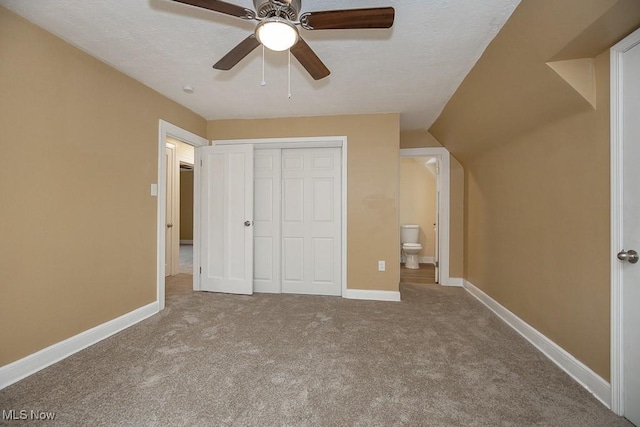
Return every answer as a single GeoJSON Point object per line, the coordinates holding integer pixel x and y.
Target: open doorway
{"type": "Point", "coordinates": [185, 265]}
{"type": "Point", "coordinates": [179, 208]}
{"type": "Point", "coordinates": [169, 212]}
{"type": "Point", "coordinates": [419, 219]}
{"type": "Point", "coordinates": [441, 236]}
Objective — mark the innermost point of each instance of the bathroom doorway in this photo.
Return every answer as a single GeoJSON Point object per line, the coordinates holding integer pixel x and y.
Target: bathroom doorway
{"type": "Point", "coordinates": [434, 164]}
{"type": "Point", "coordinates": [418, 217]}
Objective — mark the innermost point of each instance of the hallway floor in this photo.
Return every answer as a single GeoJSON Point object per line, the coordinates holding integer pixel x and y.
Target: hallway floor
{"type": "Point", "coordinates": [186, 259]}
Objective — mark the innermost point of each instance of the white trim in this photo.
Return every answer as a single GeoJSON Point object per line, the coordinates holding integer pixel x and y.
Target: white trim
{"type": "Point", "coordinates": [572, 366]}
{"type": "Point", "coordinates": [371, 295]}
{"type": "Point", "coordinates": [166, 129]}
{"type": "Point", "coordinates": [310, 142]}
{"type": "Point", "coordinates": [35, 362]}
{"type": "Point", "coordinates": [197, 226]}
{"type": "Point", "coordinates": [302, 142]}
{"type": "Point", "coordinates": [421, 260]}
{"type": "Point", "coordinates": [186, 242]}
{"type": "Point", "coordinates": [426, 260]}
{"type": "Point", "coordinates": [444, 181]}
{"type": "Point", "coordinates": [616, 144]}
{"type": "Point", "coordinates": [344, 216]}
{"type": "Point", "coordinates": [455, 282]}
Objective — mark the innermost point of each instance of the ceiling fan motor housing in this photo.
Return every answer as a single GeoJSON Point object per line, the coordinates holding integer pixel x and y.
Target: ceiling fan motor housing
{"type": "Point", "coordinates": [287, 8]}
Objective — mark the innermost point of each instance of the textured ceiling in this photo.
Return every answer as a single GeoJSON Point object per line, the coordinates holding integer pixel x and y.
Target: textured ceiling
{"type": "Point", "coordinates": [413, 68]}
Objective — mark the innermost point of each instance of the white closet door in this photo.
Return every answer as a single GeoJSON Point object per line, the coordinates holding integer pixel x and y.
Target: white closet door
{"type": "Point", "coordinates": [311, 226]}
{"type": "Point", "coordinates": [266, 232]}
{"type": "Point", "coordinates": [227, 219]}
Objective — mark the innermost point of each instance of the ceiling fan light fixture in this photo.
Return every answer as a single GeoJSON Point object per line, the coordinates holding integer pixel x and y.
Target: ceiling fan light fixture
{"type": "Point", "coordinates": [277, 34]}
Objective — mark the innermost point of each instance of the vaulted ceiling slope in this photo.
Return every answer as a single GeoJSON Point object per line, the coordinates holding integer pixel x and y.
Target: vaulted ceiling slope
{"type": "Point", "coordinates": [514, 88]}
{"type": "Point", "coordinates": [413, 68]}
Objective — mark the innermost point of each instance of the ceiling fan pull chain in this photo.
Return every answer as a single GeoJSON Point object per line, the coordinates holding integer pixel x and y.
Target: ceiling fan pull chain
{"type": "Point", "coordinates": [263, 82]}
{"type": "Point", "coordinates": [289, 74]}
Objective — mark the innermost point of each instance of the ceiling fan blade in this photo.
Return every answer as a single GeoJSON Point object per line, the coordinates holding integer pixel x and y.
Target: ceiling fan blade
{"type": "Point", "coordinates": [378, 17]}
{"type": "Point", "coordinates": [222, 7]}
{"type": "Point", "coordinates": [309, 60]}
{"type": "Point", "coordinates": [235, 55]}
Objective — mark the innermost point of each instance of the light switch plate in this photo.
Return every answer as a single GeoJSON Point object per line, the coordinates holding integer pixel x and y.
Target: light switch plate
{"type": "Point", "coordinates": [154, 190]}
{"type": "Point", "coordinates": [381, 266]}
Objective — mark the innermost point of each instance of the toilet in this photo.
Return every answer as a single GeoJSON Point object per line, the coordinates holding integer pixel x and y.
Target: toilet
{"type": "Point", "coordinates": [410, 247]}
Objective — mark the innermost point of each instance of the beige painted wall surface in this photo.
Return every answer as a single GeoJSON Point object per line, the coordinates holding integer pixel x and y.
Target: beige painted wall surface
{"type": "Point", "coordinates": [418, 138]}
{"type": "Point", "coordinates": [422, 139]}
{"type": "Point", "coordinates": [418, 201]}
{"type": "Point", "coordinates": [78, 228]}
{"type": "Point", "coordinates": [456, 220]}
{"type": "Point", "coordinates": [186, 205]}
{"type": "Point", "coordinates": [539, 231]}
{"type": "Point", "coordinates": [536, 157]}
{"type": "Point", "coordinates": [372, 205]}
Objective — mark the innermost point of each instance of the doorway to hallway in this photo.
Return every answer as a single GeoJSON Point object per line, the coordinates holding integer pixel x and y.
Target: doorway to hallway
{"type": "Point", "coordinates": [169, 133]}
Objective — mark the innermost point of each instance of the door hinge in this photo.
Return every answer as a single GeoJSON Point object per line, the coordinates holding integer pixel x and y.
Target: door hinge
{"type": "Point", "coordinates": [200, 270]}
{"type": "Point", "coordinates": [437, 264]}
{"type": "Point", "coordinates": [200, 162]}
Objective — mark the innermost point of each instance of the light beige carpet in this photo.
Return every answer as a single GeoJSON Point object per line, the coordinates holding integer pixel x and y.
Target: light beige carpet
{"type": "Point", "coordinates": [438, 358]}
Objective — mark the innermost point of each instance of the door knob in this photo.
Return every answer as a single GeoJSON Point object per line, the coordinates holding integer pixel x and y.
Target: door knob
{"type": "Point", "coordinates": [630, 255]}
{"type": "Point", "coordinates": [169, 225]}
{"type": "Point", "coordinates": [247, 223]}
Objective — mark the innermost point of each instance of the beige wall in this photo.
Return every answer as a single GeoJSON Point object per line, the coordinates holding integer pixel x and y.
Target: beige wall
{"type": "Point", "coordinates": [421, 139]}
{"type": "Point", "coordinates": [456, 219]}
{"type": "Point", "coordinates": [78, 228]}
{"type": "Point", "coordinates": [372, 205]}
{"type": "Point", "coordinates": [417, 138]}
{"type": "Point", "coordinates": [536, 156]}
{"type": "Point", "coordinates": [418, 201]}
{"type": "Point", "coordinates": [186, 205]}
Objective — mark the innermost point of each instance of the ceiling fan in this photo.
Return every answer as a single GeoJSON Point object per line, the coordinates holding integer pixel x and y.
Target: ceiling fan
{"type": "Point", "coordinates": [277, 29]}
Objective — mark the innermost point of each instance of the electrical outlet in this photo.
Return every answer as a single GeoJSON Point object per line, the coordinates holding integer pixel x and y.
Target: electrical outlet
{"type": "Point", "coordinates": [381, 266]}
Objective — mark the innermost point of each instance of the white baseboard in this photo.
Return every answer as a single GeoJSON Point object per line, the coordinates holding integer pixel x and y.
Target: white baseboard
{"type": "Point", "coordinates": [455, 282]}
{"type": "Point", "coordinates": [581, 373]}
{"type": "Point", "coordinates": [186, 242]}
{"type": "Point", "coordinates": [371, 295]}
{"type": "Point", "coordinates": [421, 260]}
{"type": "Point", "coordinates": [35, 362]}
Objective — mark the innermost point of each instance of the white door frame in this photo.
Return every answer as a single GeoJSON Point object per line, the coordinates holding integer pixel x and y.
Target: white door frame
{"type": "Point", "coordinates": [617, 353]}
{"type": "Point", "coordinates": [166, 129]}
{"type": "Point", "coordinates": [444, 184]}
{"type": "Point", "coordinates": [310, 142]}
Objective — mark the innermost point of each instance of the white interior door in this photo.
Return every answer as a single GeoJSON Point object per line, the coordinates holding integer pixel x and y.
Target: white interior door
{"type": "Point", "coordinates": [631, 232]}
{"type": "Point", "coordinates": [226, 204]}
{"type": "Point", "coordinates": [436, 234]}
{"type": "Point", "coordinates": [311, 222]}
{"type": "Point", "coordinates": [170, 152]}
{"type": "Point", "coordinates": [266, 214]}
